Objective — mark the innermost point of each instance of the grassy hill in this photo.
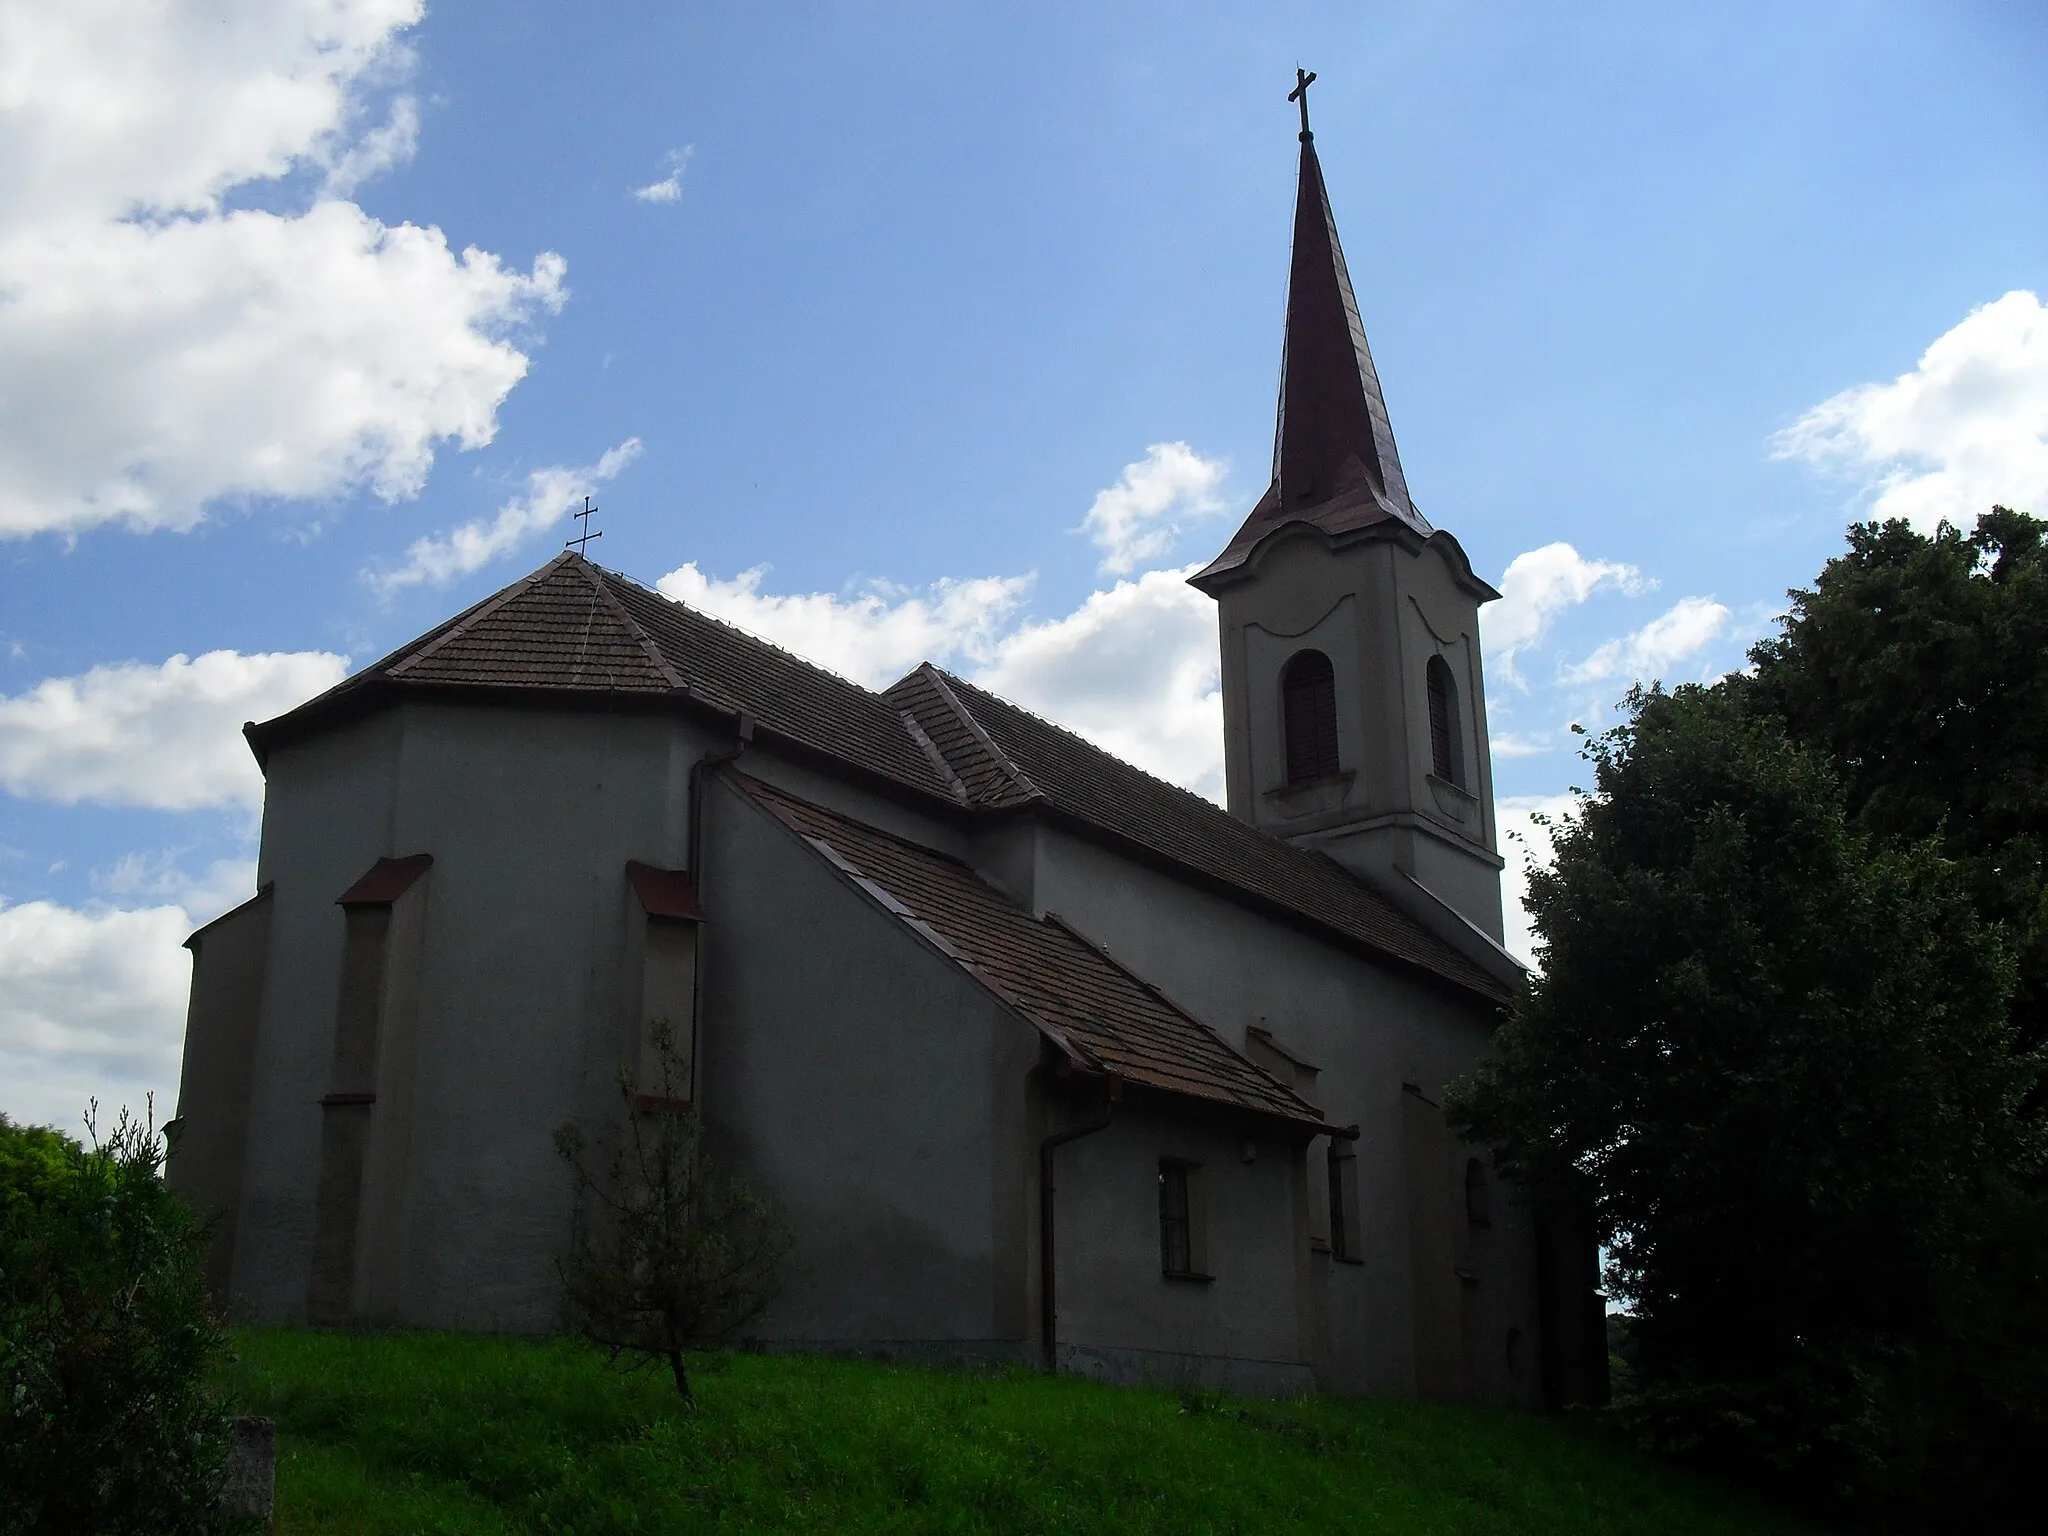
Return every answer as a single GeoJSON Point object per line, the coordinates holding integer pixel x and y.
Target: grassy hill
{"type": "Point", "coordinates": [419, 1433]}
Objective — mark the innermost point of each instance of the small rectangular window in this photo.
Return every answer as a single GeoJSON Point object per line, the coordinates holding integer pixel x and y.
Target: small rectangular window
{"type": "Point", "coordinates": [1346, 1240]}
{"type": "Point", "coordinates": [1182, 1238]}
{"type": "Point", "coordinates": [1176, 1256]}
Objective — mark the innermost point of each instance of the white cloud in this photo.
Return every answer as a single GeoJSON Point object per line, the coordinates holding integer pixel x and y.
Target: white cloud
{"type": "Point", "coordinates": [550, 493]}
{"type": "Point", "coordinates": [1524, 843]}
{"type": "Point", "coordinates": [872, 637]}
{"type": "Point", "coordinates": [1965, 430]}
{"type": "Point", "coordinates": [94, 1006]}
{"type": "Point", "coordinates": [1535, 588]}
{"type": "Point", "coordinates": [113, 108]}
{"type": "Point", "coordinates": [1137, 519]}
{"type": "Point", "coordinates": [1508, 744]}
{"type": "Point", "coordinates": [159, 351]}
{"type": "Point", "coordinates": [670, 188]}
{"type": "Point", "coordinates": [162, 877]}
{"type": "Point", "coordinates": [1681, 631]}
{"type": "Point", "coordinates": [393, 143]}
{"type": "Point", "coordinates": [1134, 669]}
{"type": "Point", "coordinates": [166, 737]}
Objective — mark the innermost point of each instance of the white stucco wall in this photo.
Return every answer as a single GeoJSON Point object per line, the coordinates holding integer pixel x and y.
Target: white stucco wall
{"type": "Point", "coordinates": [1369, 1027]}
{"type": "Point", "coordinates": [872, 1087]}
{"type": "Point", "coordinates": [893, 1105]}
{"type": "Point", "coordinates": [530, 817]}
{"type": "Point", "coordinates": [1121, 1317]}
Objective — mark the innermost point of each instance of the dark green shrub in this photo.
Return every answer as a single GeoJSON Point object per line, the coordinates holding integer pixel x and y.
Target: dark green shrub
{"type": "Point", "coordinates": [106, 1425]}
{"type": "Point", "coordinates": [672, 1255]}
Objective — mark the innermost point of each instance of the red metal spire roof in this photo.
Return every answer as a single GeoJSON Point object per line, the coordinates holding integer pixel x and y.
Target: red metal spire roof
{"type": "Point", "coordinates": [1334, 460]}
{"type": "Point", "coordinates": [1333, 422]}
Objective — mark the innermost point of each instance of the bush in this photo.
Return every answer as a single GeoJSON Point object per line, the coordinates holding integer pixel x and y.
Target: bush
{"type": "Point", "coordinates": [105, 1339]}
{"type": "Point", "coordinates": [672, 1255]}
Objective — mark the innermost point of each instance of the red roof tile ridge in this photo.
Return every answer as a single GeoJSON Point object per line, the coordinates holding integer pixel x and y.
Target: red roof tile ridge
{"type": "Point", "coordinates": [942, 685]}
{"type": "Point", "coordinates": [601, 580]}
{"type": "Point", "coordinates": [932, 754]}
{"type": "Point", "coordinates": [1208, 806]}
{"type": "Point", "coordinates": [1165, 1001]}
{"type": "Point", "coordinates": [465, 622]}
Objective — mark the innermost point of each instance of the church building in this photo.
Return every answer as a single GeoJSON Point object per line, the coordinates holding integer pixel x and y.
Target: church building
{"type": "Point", "coordinates": [1044, 1059]}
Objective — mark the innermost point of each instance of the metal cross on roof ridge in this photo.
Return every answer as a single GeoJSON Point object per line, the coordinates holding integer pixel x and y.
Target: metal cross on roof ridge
{"type": "Point", "coordinates": [1303, 79]}
{"type": "Point", "coordinates": [586, 535]}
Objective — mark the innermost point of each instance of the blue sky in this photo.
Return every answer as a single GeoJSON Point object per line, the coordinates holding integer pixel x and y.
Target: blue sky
{"type": "Point", "coordinates": [938, 330]}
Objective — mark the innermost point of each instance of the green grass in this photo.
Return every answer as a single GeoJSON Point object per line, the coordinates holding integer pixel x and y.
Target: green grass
{"type": "Point", "coordinates": [415, 1433]}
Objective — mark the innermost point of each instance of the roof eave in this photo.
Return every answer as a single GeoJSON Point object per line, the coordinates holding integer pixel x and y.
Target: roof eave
{"type": "Point", "coordinates": [377, 692]}
{"type": "Point", "coordinates": [1230, 1109]}
{"type": "Point", "coordinates": [1236, 565]}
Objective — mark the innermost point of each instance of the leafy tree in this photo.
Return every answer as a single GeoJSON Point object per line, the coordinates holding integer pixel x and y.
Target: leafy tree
{"type": "Point", "coordinates": [673, 1255]}
{"type": "Point", "coordinates": [1919, 665]}
{"type": "Point", "coordinates": [106, 1424]}
{"type": "Point", "coordinates": [1770, 1050]}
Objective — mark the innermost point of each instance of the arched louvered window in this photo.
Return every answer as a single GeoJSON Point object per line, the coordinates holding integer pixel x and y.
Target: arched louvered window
{"type": "Point", "coordinates": [1308, 708]}
{"type": "Point", "coordinates": [1446, 758]}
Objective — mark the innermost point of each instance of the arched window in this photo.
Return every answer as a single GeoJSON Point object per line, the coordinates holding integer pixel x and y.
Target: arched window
{"type": "Point", "coordinates": [1308, 709]}
{"type": "Point", "coordinates": [1446, 757]}
{"type": "Point", "coordinates": [1478, 1198]}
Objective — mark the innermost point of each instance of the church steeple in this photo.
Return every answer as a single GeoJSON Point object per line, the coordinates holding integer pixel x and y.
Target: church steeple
{"type": "Point", "coordinates": [1335, 465]}
{"type": "Point", "coordinates": [1333, 431]}
{"type": "Point", "coordinates": [1354, 699]}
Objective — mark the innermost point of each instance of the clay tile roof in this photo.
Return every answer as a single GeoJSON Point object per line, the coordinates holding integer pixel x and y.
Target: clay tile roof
{"type": "Point", "coordinates": [559, 628]}
{"type": "Point", "coordinates": [985, 773]}
{"type": "Point", "coordinates": [1104, 1017]}
{"type": "Point", "coordinates": [573, 628]}
{"type": "Point", "coordinates": [1081, 780]}
{"type": "Point", "coordinates": [796, 700]}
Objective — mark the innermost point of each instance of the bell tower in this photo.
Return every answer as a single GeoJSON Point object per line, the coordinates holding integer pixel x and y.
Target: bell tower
{"type": "Point", "coordinates": [1354, 705]}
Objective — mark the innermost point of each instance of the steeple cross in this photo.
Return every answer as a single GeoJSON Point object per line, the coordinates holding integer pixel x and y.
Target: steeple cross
{"type": "Point", "coordinates": [1303, 79]}
{"type": "Point", "coordinates": [583, 539]}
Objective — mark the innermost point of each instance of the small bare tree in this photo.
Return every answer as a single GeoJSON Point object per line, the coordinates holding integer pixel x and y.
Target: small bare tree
{"type": "Point", "coordinates": [674, 1255]}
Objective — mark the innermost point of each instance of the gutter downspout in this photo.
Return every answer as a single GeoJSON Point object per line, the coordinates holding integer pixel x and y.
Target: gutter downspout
{"type": "Point", "coordinates": [743, 735]}
{"type": "Point", "coordinates": [1048, 1308]}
